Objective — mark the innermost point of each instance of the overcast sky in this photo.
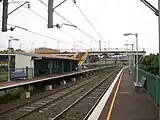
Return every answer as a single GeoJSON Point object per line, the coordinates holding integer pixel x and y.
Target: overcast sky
{"type": "Point", "coordinates": [111, 18]}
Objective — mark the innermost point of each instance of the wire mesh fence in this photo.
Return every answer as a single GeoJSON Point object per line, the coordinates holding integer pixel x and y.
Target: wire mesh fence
{"type": "Point", "coordinates": [152, 85]}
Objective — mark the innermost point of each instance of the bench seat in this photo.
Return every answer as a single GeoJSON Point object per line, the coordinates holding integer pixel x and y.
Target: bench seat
{"type": "Point", "coordinates": [141, 82]}
{"type": "Point", "coordinates": [19, 75]}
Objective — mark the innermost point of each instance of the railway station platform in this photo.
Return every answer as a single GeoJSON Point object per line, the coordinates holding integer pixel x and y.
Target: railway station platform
{"type": "Point", "coordinates": [123, 102]}
{"type": "Point", "coordinates": [13, 84]}
{"type": "Point", "coordinates": [5, 84]}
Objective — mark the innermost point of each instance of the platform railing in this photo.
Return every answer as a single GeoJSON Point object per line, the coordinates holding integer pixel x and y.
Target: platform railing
{"type": "Point", "coordinates": [152, 85]}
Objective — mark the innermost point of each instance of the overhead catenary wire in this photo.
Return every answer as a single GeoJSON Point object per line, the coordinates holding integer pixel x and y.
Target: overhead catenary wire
{"type": "Point", "coordinates": [56, 12]}
{"type": "Point", "coordinates": [31, 10]}
{"type": "Point", "coordinates": [44, 19]}
{"type": "Point", "coordinates": [88, 21]}
{"type": "Point", "coordinates": [58, 15]}
{"type": "Point", "coordinates": [69, 21]}
{"type": "Point", "coordinates": [73, 37]}
{"type": "Point", "coordinates": [27, 30]}
{"type": "Point", "coordinates": [90, 24]}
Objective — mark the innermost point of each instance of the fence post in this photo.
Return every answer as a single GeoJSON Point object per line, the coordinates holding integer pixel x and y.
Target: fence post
{"type": "Point", "coordinates": [157, 91]}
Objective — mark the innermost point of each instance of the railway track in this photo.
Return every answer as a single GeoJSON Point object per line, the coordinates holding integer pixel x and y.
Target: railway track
{"type": "Point", "coordinates": [21, 111]}
{"type": "Point", "coordinates": [43, 96]}
{"type": "Point", "coordinates": [83, 106]}
{"type": "Point", "coordinates": [56, 108]}
{"type": "Point", "coordinates": [40, 105]}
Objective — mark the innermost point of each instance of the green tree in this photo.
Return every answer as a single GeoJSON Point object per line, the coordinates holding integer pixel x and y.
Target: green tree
{"type": "Point", "coordinates": [4, 51]}
{"type": "Point", "coordinates": [150, 63]}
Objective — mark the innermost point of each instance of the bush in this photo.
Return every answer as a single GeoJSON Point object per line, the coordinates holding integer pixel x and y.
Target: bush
{"type": "Point", "coordinates": [150, 64]}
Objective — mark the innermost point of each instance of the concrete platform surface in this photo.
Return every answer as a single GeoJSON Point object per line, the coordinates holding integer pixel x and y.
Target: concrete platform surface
{"type": "Point", "coordinates": [128, 104]}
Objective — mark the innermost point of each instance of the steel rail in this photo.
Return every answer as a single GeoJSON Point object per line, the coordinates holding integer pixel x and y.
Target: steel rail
{"type": "Point", "coordinates": [96, 103]}
{"type": "Point", "coordinates": [41, 97]}
{"type": "Point", "coordinates": [84, 95]}
{"type": "Point", "coordinates": [23, 115]}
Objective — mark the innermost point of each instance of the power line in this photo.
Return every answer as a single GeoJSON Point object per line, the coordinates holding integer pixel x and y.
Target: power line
{"type": "Point", "coordinates": [77, 27]}
{"type": "Point", "coordinates": [58, 15]}
{"type": "Point", "coordinates": [31, 10]}
{"type": "Point", "coordinates": [68, 21]}
{"type": "Point", "coordinates": [55, 12]}
{"type": "Point", "coordinates": [73, 37]}
{"type": "Point", "coordinates": [45, 18]}
{"type": "Point", "coordinates": [87, 34]}
{"type": "Point", "coordinates": [25, 29]}
{"type": "Point", "coordinates": [88, 21]}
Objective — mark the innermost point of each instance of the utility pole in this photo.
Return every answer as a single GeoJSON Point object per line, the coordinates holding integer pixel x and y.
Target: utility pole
{"type": "Point", "coordinates": [108, 44]}
{"type": "Point", "coordinates": [58, 47]}
{"type": "Point", "coordinates": [100, 53]}
{"type": "Point", "coordinates": [133, 58]}
{"type": "Point", "coordinates": [99, 45]}
{"type": "Point", "coordinates": [91, 46]}
{"type": "Point", "coordinates": [136, 58]}
{"type": "Point", "coordinates": [51, 10]}
{"type": "Point", "coordinates": [159, 33]}
{"type": "Point", "coordinates": [20, 46]}
{"type": "Point", "coordinates": [50, 13]}
{"type": "Point", "coordinates": [5, 16]}
{"type": "Point", "coordinates": [159, 48]}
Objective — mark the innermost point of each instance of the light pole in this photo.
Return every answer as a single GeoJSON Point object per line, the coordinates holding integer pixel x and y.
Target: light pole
{"type": "Point", "coordinates": [74, 46]}
{"type": "Point", "coordinates": [58, 46]}
{"type": "Point", "coordinates": [136, 34]}
{"type": "Point", "coordinates": [20, 46]}
{"type": "Point", "coordinates": [91, 46]}
{"type": "Point", "coordinates": [32, 47]}
{"type": "Point", "coordinates": [99, 45]}
{"type": "Point", "coordinates": [108, 44]}
{"type": "Point", "coordinates": [44, 44]}
{"type": "Point", "coordinates": [9, 56]}
{"type": "Point", "coordinates": [133, 57]}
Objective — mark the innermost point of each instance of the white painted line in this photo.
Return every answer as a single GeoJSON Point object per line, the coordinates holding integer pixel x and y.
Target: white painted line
{"type": "Point", "coordinates": [98, 109]}
{"type": "Point", "coordinates": [39, 80]}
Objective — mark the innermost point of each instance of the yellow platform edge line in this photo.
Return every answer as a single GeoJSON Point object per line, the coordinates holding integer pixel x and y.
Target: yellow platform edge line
{"type": "Point", "coordinates": [114, 98]}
